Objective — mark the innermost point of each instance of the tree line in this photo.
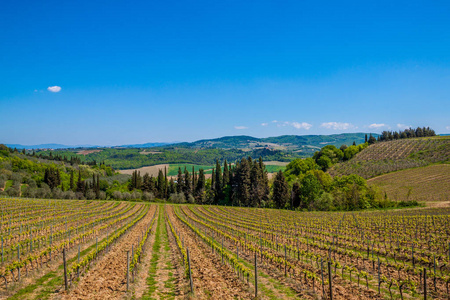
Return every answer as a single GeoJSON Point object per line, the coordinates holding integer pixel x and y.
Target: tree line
{"type": "Point", "coordinates": [406, 134]}
{"type": "Point", "coordinates": [244, 183]}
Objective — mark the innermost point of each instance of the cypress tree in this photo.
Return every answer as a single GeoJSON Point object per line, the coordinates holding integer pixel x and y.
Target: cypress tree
{"type": "Point", "coordinates": [187, 184]}
{"type": "Point", "coordinates": [80, 184]}
{"type": "Point", "coordinates": [226, 174]}
{"type": "Point", "coordinates": [218, 183]}
{"type": "Point", "coordinates": [212, 179]}
{"type": "Point", "coordinates": [166, 183]}
{"type": "Point", "coordinates": [172, 188]}
{"type": "Point", "coordinates": [280, 190]}
{"type": "Point", "coordinates": [257, 185]}
{"type": "Point", "coordinates": [71, 181]}
{"type": "Point", "coordinates": [160, 184]}
{"type": "Point", "coordinates": [200, 187]}
{"type": "Point", "coordinates": [265, 180]}
{"type": "Point", "coordinates": [243, 182]}
{"type": "Point", "coordinates": [179, 181]}
{"type": "Point", "coordinates": [97, 189]}
{"type": "Point", "coordinates": [193, 178]}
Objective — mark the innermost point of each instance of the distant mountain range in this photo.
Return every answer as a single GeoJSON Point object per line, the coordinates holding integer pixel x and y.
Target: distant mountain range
{"type": "Point", "coordinates": [48, 146]}
{"type": "Point", "coordinates": [284, 142]}
{"type": "Point", "coordinates": [60, 146]}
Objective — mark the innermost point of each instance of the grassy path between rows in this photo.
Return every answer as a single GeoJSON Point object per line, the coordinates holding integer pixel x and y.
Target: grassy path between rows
{"type": "Point", "coordinates": [161, 279]}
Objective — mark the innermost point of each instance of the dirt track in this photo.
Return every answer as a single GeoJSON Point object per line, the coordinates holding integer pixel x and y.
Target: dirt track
{"type": "Point", "coordinates": [212, 279]}
{"type": "Point", "coordinates": [107, 279]}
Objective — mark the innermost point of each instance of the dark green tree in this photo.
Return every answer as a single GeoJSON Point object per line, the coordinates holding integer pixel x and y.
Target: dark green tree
{"type": "Point", "coordinates": [187, 184]}
{"type": "Point", "coordinates": [71, 183]}
{"type": "Point", "coordinates": [280, 191]}
{"type": "Point", "coordinates": [180, 184]}
{"type": "Point", "coordinates": [243, 183]}
{"type": "Point", "coordinates": [161, 184]}
{"type": "Point", "coordinates": [200, 187]}
{"type": "Point", "coordinates": [218, 183]}
{"type": "Point", "coordinates": [296, 195]}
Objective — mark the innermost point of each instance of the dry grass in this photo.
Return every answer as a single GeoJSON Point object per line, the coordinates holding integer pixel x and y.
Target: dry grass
{"type": "Point", "coordinates": [276, 163]}
{"type": "Point", "coordinates": [86, 152]}
{"type": "Point", "coordinates": [151, 170]}
{"type": "Point", "coordinates": [149, 152]}
{"type": "Point", "coordinates": [431, 183]}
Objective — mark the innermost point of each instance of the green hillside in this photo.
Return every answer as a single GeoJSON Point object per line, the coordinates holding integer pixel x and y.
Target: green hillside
{"type": "Point", "coordinates": [430, 183]}
{"type": "Point", "coordinates": [205, 152]}
{"type": "Point", "coordinates": [390, 156]}
{"type": "Point", "coordinates": [305, 143]}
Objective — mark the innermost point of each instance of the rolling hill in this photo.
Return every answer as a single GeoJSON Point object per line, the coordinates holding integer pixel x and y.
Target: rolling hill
{"type": "Point", "coordinates": [205, 152]}
{"type": "Point", "coordinates": [430, 183]}
{"type": "Point", "coordinates": [390, 156]}
{"type": "Point", "coordinates": [300, 143]}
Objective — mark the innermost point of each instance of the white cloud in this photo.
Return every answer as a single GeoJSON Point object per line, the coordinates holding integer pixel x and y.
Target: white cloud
{"type": "Point", "coordinates": [375, 125]}
{"type": "Point", "coordinates": [448, 127]}
{"type": "Point", "coordinates": [302, 125]}
{"type": "Point", "coordinates": [403, 126]}
{"type": "Point", "coordinates": [297, 125]}
{"type": "Point", "coordinates": [240, 127]}
{"type": "Point", "coordinates": [35, 91]}
{"type": "Point", "coordinates": [54, 89]}
{"type": "Point", "coordinates": [264, 124]}
{"type": "Point", "coordinates": [274, 121]}
{"type": "Point", "coordinates": [337, 125]}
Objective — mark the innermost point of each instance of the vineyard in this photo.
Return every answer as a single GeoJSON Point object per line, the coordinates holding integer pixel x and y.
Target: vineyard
{"type": "Point", "coordinates": [390, 156]}
{"type": "Point", "coordinates": [55, 249]}
{"type": "Point", "coordinates": [431, 183]}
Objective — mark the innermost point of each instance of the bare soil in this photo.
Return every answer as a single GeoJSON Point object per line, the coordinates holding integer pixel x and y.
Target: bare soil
{"type": "Point", "coordinates": [211, 278]}
{"type": "Point", "coordinates": [107, 279]}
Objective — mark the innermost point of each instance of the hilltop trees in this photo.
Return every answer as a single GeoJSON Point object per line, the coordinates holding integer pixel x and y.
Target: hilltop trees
{"type": "Point", "coordinates": [328, 156]}
{"type": "Point", "coordinates": [407, 133]}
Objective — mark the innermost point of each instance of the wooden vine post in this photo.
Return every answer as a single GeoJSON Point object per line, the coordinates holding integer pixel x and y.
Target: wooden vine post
{"type": "Point", "coordinates": [256, 277]}
{"type": "Point", "coordinates": [190, 273]}
{"type": "Point", "coordinates": [285, 261]}
{"type": "Point", "coordinates": [18, 259]}
{"type": "Point", "coordinates": [424, 284]}
{"type": "Point", "coordinates": [65, 269]}
{"type": "Point", "coordinates": [128, 269]}
{"type": "Point", "coordinates": [329, 281]}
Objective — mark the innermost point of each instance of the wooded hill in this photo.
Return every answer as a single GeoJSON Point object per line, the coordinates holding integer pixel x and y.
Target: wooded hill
{"type": "Point", "coordinates": [206, 152]}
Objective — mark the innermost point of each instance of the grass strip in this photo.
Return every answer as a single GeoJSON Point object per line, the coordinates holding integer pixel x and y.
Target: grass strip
{"type": "Point", "coordinates": [151, 281]}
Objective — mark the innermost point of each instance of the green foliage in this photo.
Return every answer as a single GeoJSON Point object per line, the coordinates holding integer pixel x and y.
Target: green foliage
{"type": "Point", "coordinates": [328, 156]}
{"type": "Point", "coordinates": [300, 166]}
{"type": "Point", "coordinates": [310, 189]}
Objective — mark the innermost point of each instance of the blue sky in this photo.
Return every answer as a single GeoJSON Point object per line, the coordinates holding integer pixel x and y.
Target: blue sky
{"type": "Point", "coordinates": [148, 71]}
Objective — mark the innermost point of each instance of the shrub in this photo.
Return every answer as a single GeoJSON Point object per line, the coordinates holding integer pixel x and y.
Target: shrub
{"type": "Point", "coordinates": [177, 198]}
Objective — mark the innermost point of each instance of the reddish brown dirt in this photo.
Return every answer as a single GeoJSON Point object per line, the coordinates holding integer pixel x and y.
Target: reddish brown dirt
{"type": "Point", "coordinates": [52, 265]}
{"type": "Point", "coordinates": [107, 279]}
{"type": "Point", "coordinates": [341, 288]}
{"type": "Point", "coordinates": [211, 278]}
